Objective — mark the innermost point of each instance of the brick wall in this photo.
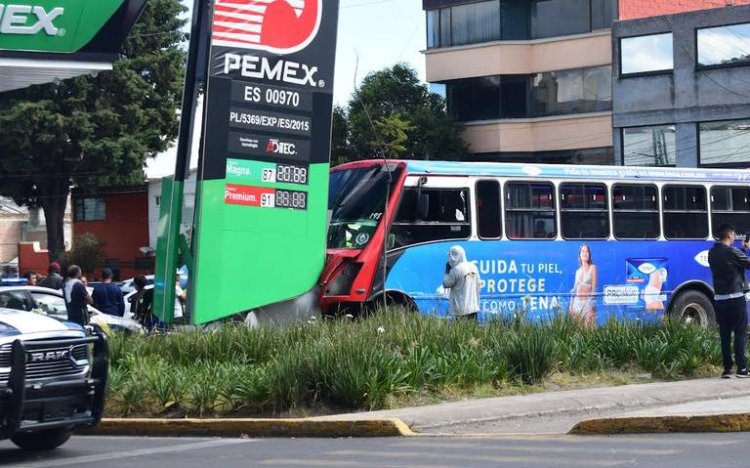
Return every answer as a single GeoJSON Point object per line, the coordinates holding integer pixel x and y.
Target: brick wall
{"type": "Point", "coordinates": [631, 9]}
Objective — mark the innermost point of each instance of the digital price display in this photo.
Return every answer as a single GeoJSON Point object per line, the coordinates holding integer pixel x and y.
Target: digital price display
{"type": "Point", "coordinates": [290, 174]}
{"type": "Point", "coordinates": [291, 199]}
{"type": "Point", "coordinates": [266, 172]}
{"type": "Point", "coordinates": [265, 197]}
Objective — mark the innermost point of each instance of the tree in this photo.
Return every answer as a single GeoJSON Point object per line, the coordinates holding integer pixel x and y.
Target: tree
{"type": "Point", "coordinates": [396, 96]}
{"type": "Point", "coordinates": [94, 131]}
{"type": "Point", "coordinates": [340, 150]}
{"type": "Point", "coordinates": [88, 252]}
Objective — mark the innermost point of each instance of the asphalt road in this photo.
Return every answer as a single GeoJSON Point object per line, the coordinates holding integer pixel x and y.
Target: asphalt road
{"type": "Point", "coordinates": [684, 450]}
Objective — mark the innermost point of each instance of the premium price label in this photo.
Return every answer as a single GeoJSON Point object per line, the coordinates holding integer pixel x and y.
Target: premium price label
{"type": "Point", "coordinates": [265, 197]}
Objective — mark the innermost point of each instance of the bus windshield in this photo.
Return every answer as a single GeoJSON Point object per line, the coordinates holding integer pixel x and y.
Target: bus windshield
{"type": "Point", "coordinates": [356, 201]}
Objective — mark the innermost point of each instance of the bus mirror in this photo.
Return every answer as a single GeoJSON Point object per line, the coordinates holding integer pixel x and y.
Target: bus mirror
{"type": "Point", "coordinates": [423, 206]}
{"type": "Point", "coordinates": [390, 241]}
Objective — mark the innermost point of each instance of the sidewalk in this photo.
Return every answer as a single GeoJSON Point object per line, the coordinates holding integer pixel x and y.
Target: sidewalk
{"type": "Point", "coordinates": [558, 412]}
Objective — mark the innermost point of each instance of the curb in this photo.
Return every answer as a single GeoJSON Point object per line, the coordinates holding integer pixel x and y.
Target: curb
{"type": "Point", "coordinates": [664, 424]}
{"type": "Point", "coordinates": [388, 427]}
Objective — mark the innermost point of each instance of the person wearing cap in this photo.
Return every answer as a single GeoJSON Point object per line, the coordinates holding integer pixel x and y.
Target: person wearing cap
{"type": "Point", "coordinates": [53, 280]}
{"type": "Point", "coordinates": [107, 296]}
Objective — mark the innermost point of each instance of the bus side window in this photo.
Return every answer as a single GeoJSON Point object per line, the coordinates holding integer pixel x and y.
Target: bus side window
{"type": "Point", "coordinates": [530, 210]}
{"type": "Point", "coordinates": [445, 216]}
{"type": "Point", "coordinates": [635, 211]}
{"type": "Point", "coordinates": [685, 212]}
{"type": "Point", "coordinates": [731, 205]}
{"type": "Point", "coordinates": [583, 211]}
{"type": "Point", "coordinates": [488, 209]}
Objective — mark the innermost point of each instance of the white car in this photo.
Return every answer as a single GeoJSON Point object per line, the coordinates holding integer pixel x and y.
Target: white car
{"type": "Point", "coordinates": [51, 302]}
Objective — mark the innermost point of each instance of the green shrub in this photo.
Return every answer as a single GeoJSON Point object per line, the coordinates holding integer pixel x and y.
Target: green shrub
{"type": "Point", "coordinates": [531, 354]}
{"type": "Point", "coordinates": [363, 364]}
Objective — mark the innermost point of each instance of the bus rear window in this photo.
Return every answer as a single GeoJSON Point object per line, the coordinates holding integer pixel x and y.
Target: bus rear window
{"type": "Point", "coordinates": [731, 205]}
{"type": "Point", "coordinates": [530, 210]}
{"type": "Point", "coordinates": [685, 212]}
{"type": "Point", "coordinates": [635, 211]}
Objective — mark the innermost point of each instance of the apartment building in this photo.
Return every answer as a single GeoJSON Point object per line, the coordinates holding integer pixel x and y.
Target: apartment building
{"type": "Point", "coordinates": [681, 94]}
{"type": "Point", "coordinates": [532, 79]}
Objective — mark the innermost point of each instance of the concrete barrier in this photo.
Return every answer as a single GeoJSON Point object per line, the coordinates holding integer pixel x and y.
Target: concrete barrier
{"type": "Point", "coordinates": [387, 427]}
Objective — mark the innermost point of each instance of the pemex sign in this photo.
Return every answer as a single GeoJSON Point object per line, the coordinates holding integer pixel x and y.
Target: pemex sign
{"type": "Point", "coordinates": [260, 227]}
{"type": "Point", "coordinates": [66, 26]}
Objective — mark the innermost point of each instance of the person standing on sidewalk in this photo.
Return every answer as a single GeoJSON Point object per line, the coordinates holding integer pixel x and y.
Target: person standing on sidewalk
{"type": "Point", "coordinates": [107, 295]}
{"type": "Point", "coordinates": [77, 299]}
{"type": "Point", "coordinates": [728, 265]}
{"type": "Point", "coordinates": [53, 279]}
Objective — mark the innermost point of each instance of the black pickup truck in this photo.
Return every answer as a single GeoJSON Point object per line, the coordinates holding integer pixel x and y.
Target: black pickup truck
{"type": "Point", "coordinates": [53, 379]}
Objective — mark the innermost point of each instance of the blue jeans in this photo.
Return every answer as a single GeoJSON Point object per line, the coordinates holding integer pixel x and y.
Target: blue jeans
{"type": "Point", "coordinates": [732, 317]}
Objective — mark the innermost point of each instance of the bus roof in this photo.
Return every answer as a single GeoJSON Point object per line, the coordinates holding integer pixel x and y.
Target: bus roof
{"type": "Point", "coordinates": [563, 171]}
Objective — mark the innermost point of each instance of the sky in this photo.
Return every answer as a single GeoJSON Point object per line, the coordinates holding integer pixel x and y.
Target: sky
{"type": "Point", "coordinates": [372, 35]}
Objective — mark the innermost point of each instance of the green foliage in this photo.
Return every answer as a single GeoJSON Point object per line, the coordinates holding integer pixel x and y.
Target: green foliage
{"type": "Point", "coordinates": [88, 253]}
{"type": "Point", "coordinates": [366, 363]}
{"type": "Point", "coordinates": [532, 354]}
{"type": "Point", "coordinates": [393, 114]}
{"type": "Point", "coordinates": [94, 131]}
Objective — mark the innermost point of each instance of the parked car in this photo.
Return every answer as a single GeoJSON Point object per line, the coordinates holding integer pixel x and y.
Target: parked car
{"type": "Point", "coordinates": [127, 286]}
{"type": "Point", "coordinates": [53, 378]}
{"type": "Point", "coordinates": [51, 302]}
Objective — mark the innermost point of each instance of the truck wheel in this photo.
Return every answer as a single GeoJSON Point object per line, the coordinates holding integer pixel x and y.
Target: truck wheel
{"type": "Point", "coordinates": [42, 440]}
{"type": "Point", "coordinates": [693, 307]}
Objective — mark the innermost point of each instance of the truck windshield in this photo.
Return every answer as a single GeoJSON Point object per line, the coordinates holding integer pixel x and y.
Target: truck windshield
{"type": "Point", "coordinates": [356, 200]}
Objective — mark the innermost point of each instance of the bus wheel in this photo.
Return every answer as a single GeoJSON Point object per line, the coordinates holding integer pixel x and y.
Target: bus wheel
{"type": "Point", "coordinates": [397, 300]}
{"type": "Point", "coordinates": [693, 307]}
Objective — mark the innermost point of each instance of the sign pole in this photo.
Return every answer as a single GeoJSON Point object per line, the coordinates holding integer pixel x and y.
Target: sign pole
{"type": "Point", "coordinates": [170, 216]}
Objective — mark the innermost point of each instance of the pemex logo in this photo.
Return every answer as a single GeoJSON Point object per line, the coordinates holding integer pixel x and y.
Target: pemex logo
{"type": "Point", "coordinates": [277, 26]}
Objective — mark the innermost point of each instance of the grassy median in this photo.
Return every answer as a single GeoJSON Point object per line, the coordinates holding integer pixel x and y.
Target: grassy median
{"type": "Point", "coordinates": [386, 360]}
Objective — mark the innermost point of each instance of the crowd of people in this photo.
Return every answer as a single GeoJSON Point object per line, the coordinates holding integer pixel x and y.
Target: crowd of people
{"type": "Point", "coordinates": [106, 296]}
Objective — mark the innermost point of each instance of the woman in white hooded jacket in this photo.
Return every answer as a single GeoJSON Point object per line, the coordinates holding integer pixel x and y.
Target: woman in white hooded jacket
{"type": "Point", "coordinates": [462, 278]}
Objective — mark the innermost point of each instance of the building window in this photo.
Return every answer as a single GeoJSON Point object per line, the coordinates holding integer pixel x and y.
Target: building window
{"type": "Point", "coordinates": [649, 146]}
{"type": "Point", "coordinates": [731, 205]}
{"type": "Point", "coordinates": [486, 21]}
{"type": "Point", "coordinates": [475, 23]}
{"type": "Point", "coordinates": [635, 211]}
{"type": "Point", "coordinates": [646, 54]}
{"type": "Point", "coordinates": [90, 209]}
{"type": "Point", "coordinates": [724, 46]}
{"type": "Point", "coordinates": [725, 143]}
{"type": "Point", "coordinates": [550, 18]}
{"type": "Point", "coordinates": [489, 224]}
{"type": "Point", "coordinates": [583, 211]}
{"type": "Point", "coordinates": [475, 98]}
{"type": "Point", "coordinates": [685, 212]}
{"type": "Point", "coordinates": [572, 91]}
{"type": "Point", "coordinates": [530, 210]}
{"type": "Point", "coordinates": [564, 92]}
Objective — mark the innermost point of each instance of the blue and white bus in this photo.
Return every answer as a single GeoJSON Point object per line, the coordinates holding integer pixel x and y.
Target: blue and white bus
{"type": "Point", "coordinates": [597, 242]}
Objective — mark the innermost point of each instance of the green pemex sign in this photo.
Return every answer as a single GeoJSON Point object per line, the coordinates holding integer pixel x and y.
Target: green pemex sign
{"type": "Point", "coordinates": [53, 26]}
{"type": "Point", "coordinates": [260, 226]}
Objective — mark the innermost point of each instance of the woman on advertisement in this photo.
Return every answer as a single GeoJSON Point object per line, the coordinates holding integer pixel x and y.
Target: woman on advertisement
{"type": "Point", "coordinates": [582, 306]}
